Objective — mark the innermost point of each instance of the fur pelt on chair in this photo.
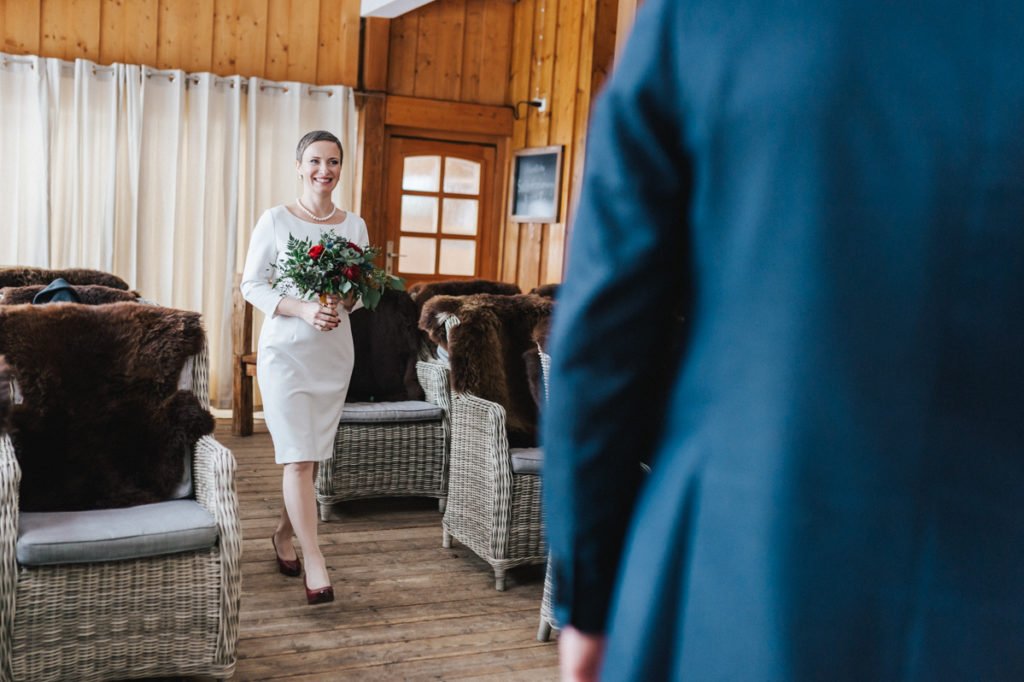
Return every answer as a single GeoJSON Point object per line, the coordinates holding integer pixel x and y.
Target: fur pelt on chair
{"type": "Point", "coordinates": [486, 351]}
{"type": "Point", "coordinates": [88, 294]}
{"type": "Point", "coordinates": [531, 358]}
{"type": "Point", "coordinates": [387, 343]}
{"type": "Point", "coordinates": [421, 292]}
{"type": "Point", "coordinates": [546, 290]}
{"type": "Point", "coordinates": [20, 277]}
{"type": "Point", "coordinates": [102, 423]}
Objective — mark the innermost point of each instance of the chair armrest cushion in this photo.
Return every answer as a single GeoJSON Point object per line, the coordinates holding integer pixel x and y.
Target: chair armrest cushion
{"type": "Point", "coordinates": [391, 412]}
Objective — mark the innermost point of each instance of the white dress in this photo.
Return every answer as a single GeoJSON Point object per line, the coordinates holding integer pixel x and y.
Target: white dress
{"type": "Point", "coordinates": [303, 373]}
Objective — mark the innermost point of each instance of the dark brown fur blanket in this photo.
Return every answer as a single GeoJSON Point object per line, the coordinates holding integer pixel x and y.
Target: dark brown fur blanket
{"type": "Point", "coordinates": [486, 351]}
{"type": "Point", "coordinates": [102, 423]}
{"type": "Point", "coordinates": [20, 277]}
{"type": "Point", "coordinates": [387, 343]}
{"type": "Point", "coordinates": [421, 292]}
{"type": "Point", "coordinates": [88, 294]}
{"type": "Point", "coordinates": [5, 394]}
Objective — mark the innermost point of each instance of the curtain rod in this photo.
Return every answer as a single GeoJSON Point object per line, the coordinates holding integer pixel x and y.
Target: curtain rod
{"type": "Point", "coordinates": [170, 74]}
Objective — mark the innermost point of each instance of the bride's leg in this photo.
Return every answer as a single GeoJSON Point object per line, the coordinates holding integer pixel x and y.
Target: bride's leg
{"type": "Point", "coordinates": [300, 505]}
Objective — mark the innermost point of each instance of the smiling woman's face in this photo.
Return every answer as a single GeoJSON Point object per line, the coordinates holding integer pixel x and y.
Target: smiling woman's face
{"type": "Point", "coordinates": [320, 167]}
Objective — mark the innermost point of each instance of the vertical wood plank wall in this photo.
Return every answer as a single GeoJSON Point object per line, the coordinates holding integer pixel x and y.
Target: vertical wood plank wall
{"type": "Point", "coordinates": [313, 41]}
{"type": "Point", "coordinates": [500, 52]}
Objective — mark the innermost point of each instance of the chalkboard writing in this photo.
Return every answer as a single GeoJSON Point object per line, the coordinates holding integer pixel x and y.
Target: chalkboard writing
{"type": "Point", "coordinates": [535, 180]}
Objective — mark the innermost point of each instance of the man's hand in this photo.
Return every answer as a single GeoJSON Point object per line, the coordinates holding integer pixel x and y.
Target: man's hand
{"type": "Point", "coordinates": [580, 655]}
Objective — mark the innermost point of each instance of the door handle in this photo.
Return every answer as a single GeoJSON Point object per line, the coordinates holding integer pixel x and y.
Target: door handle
{"type": "Point", "coordinates": [390, 253]}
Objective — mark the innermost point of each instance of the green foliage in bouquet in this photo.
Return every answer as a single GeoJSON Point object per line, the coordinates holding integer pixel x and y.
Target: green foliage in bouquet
{"type": "Point", "coordinates": [335, 266]}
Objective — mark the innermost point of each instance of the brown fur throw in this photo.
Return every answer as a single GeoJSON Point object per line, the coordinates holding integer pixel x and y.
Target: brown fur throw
{"type": "Point", "coordinates": [102, 423]}
{"type": "Point", "coordinates": [387, 342]}
{"type": "Point", "coordinates": [486, 351]}
{"type": "Point", "coordinates": [88, 294]}
{"type": "Point", "coordinates": [20, 277]}
{"type": "Point", "coordinates": [546, 290]}
{"type": "Point", "coordinates": [421, 292]}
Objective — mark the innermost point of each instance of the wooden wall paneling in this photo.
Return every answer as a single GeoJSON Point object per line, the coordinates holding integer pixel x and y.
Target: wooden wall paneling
{"type": "Point", "coordinates": [538, 132]}
{"type": "Point", "coordinates": [21, 26]}
{"type": "Point", "coordinates": [292, 41]}
{"type": "Point", "coordinates": [405, 31]}
{"type": "Point", "coordinates": [603, 41]}
{"type": "Point", "coordinates": [583, 87]}
{"type": "Point", "coordinates": [71, 29]}
{"type": "Point", "coordinates": [519, 81]}
{"type": "Point", "coordinates": [531, 237]}
{"type": "Point", "coordinates": [376, 46]}
{"type": "Point", "coordinates": [138, 25]}
{"type": "Point", "coordinates": [426, 50]}
{"type": "Point", "coordinates": [626, 13]}
{"type": "Point", "coordinates": [510, 248]}
{"type": "Point", "coordinates": [370, 175]}
{"type": "Point", "coordinates": [185, 38]}
{"type": "Point", "coordinates": [497, 53]}
{"type": "Point", "coordinates": [565, 95]}
{"type": "Point", "coordinates": [240, 37]}
{"type": "Point", "coordinates": [451, 27]}
{"type": "Point", "coordinates": [473, 50]}
{"type": "Point", "coordinates": [554, 254]}
{"type": "Point", "coordinates": [338, 57]}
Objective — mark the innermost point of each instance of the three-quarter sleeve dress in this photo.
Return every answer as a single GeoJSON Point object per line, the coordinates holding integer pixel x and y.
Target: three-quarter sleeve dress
{"type": "Point", "coordinates": [303, 372]}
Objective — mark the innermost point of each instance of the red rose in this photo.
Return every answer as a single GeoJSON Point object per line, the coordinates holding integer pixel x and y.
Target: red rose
{"type": "Point", "coordinates": [351, 273]}
{"type": "Point", "coordinates": [354, 247]}
{"type": "Point", "coordinates": [315, 252]}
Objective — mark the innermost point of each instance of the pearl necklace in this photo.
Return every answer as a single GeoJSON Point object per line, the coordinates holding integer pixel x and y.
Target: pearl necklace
{"type": "Point", "coordinates": [334, 209]}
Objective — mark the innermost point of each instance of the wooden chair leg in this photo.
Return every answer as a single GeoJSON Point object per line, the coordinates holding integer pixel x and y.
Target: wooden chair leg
{"type": "Point", "coordinates": [241, 402]}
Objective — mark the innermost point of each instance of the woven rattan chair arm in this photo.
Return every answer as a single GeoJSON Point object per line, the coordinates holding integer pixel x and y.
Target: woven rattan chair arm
{"type": "Point", "coordinates": [201, 375]}
{"type": "Point", "coordinates": [10, 478]}
{"type": "Point", "coordinates": [214, 474]}
{"type": "Point", "coordinates": [483, 424]}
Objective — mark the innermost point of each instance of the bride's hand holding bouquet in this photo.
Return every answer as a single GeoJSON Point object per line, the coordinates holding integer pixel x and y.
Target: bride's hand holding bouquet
{"type": "Point", "coordinates": [338, 272]}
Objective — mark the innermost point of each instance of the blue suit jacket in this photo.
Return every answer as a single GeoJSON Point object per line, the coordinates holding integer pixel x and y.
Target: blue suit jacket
{"type": "Point", "coordinates": [833, 192]}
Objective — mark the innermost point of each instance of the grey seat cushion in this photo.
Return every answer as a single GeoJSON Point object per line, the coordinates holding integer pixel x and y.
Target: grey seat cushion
{"type": "Point", "coordinates": [526, 460]}
{"type": "Point", "coordinates": [399, 411]}
{"type": "Point", "coordinates": [114, 534]}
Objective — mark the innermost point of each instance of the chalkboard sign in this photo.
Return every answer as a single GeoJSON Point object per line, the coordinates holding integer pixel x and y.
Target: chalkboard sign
{"type": "Point", "coordinates": [536, 180]}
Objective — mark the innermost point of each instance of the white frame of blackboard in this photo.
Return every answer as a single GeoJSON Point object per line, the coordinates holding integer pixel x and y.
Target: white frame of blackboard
{"type": "Point", "coordinates": [551, 215]}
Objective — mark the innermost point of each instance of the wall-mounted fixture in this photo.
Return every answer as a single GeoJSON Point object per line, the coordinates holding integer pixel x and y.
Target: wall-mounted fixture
{"type": "Point", "coordinates": [540, 103]}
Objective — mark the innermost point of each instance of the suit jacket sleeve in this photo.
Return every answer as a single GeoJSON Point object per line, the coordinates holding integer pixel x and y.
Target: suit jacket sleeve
{"type": "Point", "coordinates": [626, 282]}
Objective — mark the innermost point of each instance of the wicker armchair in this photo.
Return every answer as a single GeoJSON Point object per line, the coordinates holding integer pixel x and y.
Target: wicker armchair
{"type": "Point", "coordinates": [402, 456]}
{"type": "Point", "coordinates": [167, 615]}
{"type": "Point", "coordinates": [494, 505]}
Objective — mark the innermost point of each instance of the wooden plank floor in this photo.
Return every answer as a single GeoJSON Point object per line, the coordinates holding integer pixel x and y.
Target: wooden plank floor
{"type": "Point", "coordinates": [404, 609]}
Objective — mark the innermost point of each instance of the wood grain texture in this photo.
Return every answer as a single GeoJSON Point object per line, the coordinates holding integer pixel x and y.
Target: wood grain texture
{"type": "Point", "coordinates": [448, 56]}
{"type": "Point", "coordinates": [405, 608]}
{"type": "Point", "coordinates": [185, 39]}
{"type": "Point", "coordinates": [376, 44]}
{"type": "Point", "coordinates": [337, 58]}
{"type": "Point", "coordinates": [405, 32]}
{"type": "Point", "coordinates": [20, 26]}
{"type": "Point", "coordinates": [452, 116]}
{"type": "Point", "coordinates": [240, 37]}
{"type": "Point", "coordinates": [70, 29]}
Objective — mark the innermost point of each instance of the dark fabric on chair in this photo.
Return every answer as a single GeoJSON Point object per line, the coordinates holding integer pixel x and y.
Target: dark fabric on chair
{"type": "Point", "coordinates": [57, 291]}
{"type": "Point", "coordinates": [387, 342]}
{"type": "Point", "coordinates": [103, 423]}
{"type": "Point", "coordinates": [90, 294]}
{"type": "Point", "coordinates": [546, 290]}
{"type": "Point", "coordinates": [19, 277]}
{"type": "Point", "coordinates": [486, 351]}
{"type": "Point", "coordinates": [5, 393]}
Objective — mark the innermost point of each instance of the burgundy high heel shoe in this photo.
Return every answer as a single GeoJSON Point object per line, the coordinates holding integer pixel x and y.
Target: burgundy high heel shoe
{"type": "Point", "coordinates": [321, 595]}
{"type": "Point", "coordinates": [289, 567]}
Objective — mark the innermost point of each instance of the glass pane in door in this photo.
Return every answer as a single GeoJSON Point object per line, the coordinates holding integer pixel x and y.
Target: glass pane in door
{"type": "Point", "coordinates": [417, 255]}
{"type": "Point", "coordinates": [421, 173]}
{"type": "Point", "coordinates": [458, 257]}
{"type": "Point", "coordinates": [461, 176]}
{"type": "Point", "coordinates": [459, 216]}
{"type": "Point", "coordinates": [419, 214]}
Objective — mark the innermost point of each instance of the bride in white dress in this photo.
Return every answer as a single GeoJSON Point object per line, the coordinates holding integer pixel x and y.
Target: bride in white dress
{"type": "Point", "coordinates": [305, 353]}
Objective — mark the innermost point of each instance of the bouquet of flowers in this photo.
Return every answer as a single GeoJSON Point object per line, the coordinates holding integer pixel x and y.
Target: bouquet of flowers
{"type": "Point", "coordinates": [335, 266]}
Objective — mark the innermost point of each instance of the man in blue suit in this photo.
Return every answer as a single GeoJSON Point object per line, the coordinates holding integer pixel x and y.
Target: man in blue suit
{"type": "Point", "coordinates": [833, 191]}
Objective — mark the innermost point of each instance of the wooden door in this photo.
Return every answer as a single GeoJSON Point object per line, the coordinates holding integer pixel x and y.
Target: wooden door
{"type": "Point", "coordinates": [441, 210]}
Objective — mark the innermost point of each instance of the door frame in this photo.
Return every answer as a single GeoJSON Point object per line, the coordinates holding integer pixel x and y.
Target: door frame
{"type": "Point", "coordinates": [492, 240]}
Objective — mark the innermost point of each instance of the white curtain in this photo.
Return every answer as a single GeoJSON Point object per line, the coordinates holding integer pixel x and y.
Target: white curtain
{"type": "Point", "coordinates": [156, 176]}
